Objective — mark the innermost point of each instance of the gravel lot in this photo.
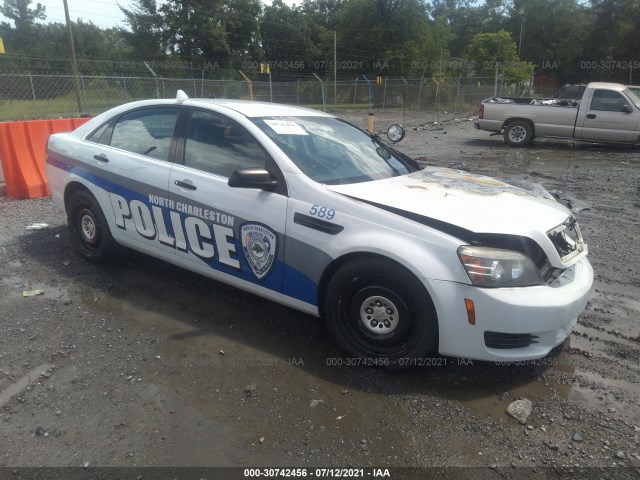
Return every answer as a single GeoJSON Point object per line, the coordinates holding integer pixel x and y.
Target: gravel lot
{"type": "Point", "coordinates": [141, 364]}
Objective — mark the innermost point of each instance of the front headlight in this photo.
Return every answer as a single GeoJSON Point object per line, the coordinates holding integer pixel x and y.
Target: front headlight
{"type": "Point", "coordinates": [495, 267]}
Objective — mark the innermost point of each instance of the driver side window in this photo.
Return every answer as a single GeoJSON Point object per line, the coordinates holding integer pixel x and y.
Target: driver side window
{"type": "Point", "coordinates": [608, 101]}
{"type": "Point", "coordinates": [219, 145]}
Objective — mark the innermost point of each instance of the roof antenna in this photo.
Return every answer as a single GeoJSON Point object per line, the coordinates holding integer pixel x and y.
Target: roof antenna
{"type": "Point", "coordinates": [181, 96]}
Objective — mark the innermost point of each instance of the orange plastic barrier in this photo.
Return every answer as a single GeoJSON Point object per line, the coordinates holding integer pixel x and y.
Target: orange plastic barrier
{"type": "Point", "coordinates": [22, 152]}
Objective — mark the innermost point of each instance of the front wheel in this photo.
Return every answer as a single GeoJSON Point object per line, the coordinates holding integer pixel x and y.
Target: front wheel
{"type": "Point", "coordinates": [89, 227]}
{"type": "Point", "coordinates": [376, 309]}
{"type": "Point", "coordinates": [518, 133]}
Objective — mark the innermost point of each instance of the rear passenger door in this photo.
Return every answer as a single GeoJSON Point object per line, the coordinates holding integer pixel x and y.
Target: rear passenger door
{"type": "Point", "coordinates": [237, 232]}
{"type": "Point", "coordinates": [135, 155]}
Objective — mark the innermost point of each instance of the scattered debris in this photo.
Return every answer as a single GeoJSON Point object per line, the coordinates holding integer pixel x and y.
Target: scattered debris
{"type": "Point", "coordinates": [250, 391]}
{"type": "Point", "coordinates": [37, 226]}
{"type": "Point", "coordinates": [555, 102]}
{"type": "Point", "coordinates": [32, 293]}
{"type": "Point", "coordinates": [520, 409]}
{"type": "Point", "coordinates": [499, 100]}
{"type": "Point", "coordinates": [315, 403]}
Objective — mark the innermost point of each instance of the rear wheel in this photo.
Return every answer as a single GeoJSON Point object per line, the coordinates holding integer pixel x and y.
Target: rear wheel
{"type": "Point", "coordinates": [89, 227]}
{"type": "Point", "coordinates": [518, 133]}
{"type": "Point", "coordinates": [378, 310]}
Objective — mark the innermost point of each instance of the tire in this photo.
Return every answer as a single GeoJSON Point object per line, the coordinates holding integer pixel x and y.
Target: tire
{"type": "Point", "coordinates": [378, 310]}
{"type": "Point", "coordinates": [89, 227]}
{"type": "Point", "coordinates": [518, 133]}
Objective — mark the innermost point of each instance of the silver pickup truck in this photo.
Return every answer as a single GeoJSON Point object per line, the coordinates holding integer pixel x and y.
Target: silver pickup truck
{"type": "Point", "coordinates": [607, 112]}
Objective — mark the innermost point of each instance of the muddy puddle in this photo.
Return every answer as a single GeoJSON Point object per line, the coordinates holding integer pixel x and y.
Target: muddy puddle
{"type": "Point", "coordinates": [222, 348]}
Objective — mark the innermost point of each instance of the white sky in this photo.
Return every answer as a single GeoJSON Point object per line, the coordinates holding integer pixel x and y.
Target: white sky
{"type": "Point", "coordinates": [104, 13]}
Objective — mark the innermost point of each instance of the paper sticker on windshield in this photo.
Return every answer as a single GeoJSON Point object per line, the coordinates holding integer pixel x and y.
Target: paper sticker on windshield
{"type": "Point", "coordinates": [285, 127]}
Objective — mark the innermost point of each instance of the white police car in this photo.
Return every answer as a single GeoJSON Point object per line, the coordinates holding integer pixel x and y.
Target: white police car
{"type": "Point", "coordinates": [307, 210]}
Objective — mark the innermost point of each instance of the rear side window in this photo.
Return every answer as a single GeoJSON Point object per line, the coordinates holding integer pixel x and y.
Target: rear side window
{"type": "Point", "coordinates": [96, 136]}
{"type": "Point", "coordinates": [147, 132]}
{"type": "Point", "coordinates": [608, 101]}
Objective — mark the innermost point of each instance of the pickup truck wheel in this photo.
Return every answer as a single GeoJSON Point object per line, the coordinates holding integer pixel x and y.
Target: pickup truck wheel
{"type": "Point", "coordinates": [89, 227]}
{"type": "Point", "coordinates": [518, 133]}
{"type": "Point", "coordinates": [377, 310]}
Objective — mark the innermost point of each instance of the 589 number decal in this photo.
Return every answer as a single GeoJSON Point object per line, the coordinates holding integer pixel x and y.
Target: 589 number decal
{"type": "Point", "coordinates": [322, 212]}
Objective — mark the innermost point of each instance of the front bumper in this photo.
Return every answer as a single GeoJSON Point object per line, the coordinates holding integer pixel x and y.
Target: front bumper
{"type": "Point", "coordinates": [545, 314]}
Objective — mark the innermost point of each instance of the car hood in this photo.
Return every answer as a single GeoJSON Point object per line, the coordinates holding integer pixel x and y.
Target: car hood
{"type": "Point", "coordinates": [476, 203]}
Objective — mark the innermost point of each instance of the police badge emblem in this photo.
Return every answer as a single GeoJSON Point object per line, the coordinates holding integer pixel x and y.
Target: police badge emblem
{"type": "Point", "coordinates": [260, 247]}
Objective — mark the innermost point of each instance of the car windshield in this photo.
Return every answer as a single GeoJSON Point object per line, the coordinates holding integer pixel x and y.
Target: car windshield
{"type": "Point", "coordinates": [634, 94]}
{"type": "Point", "coordinates": [330, 150]}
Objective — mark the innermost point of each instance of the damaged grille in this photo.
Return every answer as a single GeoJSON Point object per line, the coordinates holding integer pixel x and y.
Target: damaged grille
{"type": "Point", "coordinates": [509, 340]}
{"type": "Point", "coordinates": [567, 239]}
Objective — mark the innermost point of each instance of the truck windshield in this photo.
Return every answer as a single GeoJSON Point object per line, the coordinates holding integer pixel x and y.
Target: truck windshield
{"type": "Point", "coordinates": [634, 94]}
{"type": "Point", "coordinates": [331, 151]}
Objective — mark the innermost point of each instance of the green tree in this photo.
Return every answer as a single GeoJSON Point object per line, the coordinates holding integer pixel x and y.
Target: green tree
{"type": "Point", "coordinates": [195, 30]}
{"type": "Point", "coordinates": [22, 14]}
{"type": "Point", "coordinates": [467, 18]}
{"type": "Point", "coordinates": [20, 38]}
{"type": "Point", "coordinates": [290, 38]}
{"type": "Point", "coordinates": [613, 41]}
{"type": "Point", "coordinates": [146, 30]}
{"type": "Point", "coordinates": [386, 36]}
{"type": "Point", "coordinates": [553, 34]}
{"type": "Point", "coordinates": [495, 54]}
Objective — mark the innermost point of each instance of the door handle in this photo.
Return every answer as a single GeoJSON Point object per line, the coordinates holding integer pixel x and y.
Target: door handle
{"type": "Point", "coordinates": [591, 115]}
{"type": "Point", "coordinates": [184, 184]}
{"type": "Point", "coordinates": [101, 158]}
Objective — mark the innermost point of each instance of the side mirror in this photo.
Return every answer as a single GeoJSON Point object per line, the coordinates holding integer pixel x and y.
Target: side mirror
{"type": "Point", "coordinates": [627, 109]}
{"type": "Point", "coordinates": [252, 178]}
{"type": "Point", "coordinates": [395, 133]}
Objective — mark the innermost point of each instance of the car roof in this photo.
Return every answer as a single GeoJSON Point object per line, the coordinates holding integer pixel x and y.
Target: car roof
{"type": "Point", "coordinates": [246, 108]}
{"type": "Point", "coordinates": [252, 109]}
{"type": "Point", "coordinates": [618, 87]}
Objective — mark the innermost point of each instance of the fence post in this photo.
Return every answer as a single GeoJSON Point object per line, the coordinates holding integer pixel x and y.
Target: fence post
{"type": "Point", "coordinates": [435, 103]}
{"type": "Point", "coordinates": [33, 92]}
{"type": "Point", "coordinates": [324, 102]}
{"type": "Point", "coordinates": [420, 91]}
{"type": "Point", "coordinates": [202, 85]}
{"type": "Point", "coordinates": [298, 93]}
{"type": "Point", "coordinates": [384, 94]}
{"type": "Point", "coordinates": [404, 103]}
{"type": "Point", "coordinates": [84, 91]}
{"type": "Point", "coordinates": [224, 89]}
{"type": "Point", "coordinates": [124, 86]}
{"type": "Point", "coordinates": [455, 107]}
{"type": "Point", "coordinates": [355, 89]}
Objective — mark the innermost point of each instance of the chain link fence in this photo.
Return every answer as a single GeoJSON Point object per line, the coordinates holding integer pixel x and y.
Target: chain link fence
{"type": "Point", "coordinates": [27, 96]}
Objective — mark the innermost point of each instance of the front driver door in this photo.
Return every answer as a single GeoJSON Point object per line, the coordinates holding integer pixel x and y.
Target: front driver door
{"type": "Point", "coordinates": [605, 121]}
{"type": "Point", "coordinates": [235, 234]}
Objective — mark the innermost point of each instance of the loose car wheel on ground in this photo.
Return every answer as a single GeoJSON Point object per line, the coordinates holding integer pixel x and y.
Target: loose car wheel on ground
{"type": "Point", "coordinates": [377, 309]}
{"type": "Point", "coordinates": [89, 227]}
{"type": "Point", "coordinates": [518, 134]}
